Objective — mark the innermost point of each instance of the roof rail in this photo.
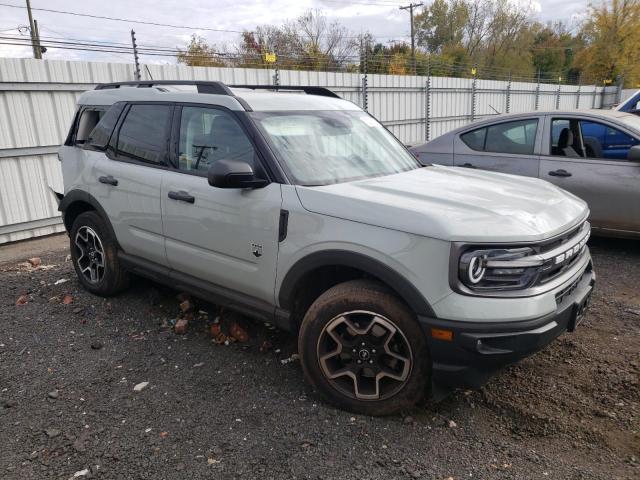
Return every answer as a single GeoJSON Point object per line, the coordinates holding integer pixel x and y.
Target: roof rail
{"type": "Point", "coordinates": [309, 90]}
{"type": "Point", "coordinates": [203, 86]}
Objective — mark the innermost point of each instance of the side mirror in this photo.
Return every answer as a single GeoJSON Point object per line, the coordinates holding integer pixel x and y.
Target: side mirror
{"type": "Point", "coordinates": [233, 174]}
{"type": "Point", "coordinates": [634, 154]}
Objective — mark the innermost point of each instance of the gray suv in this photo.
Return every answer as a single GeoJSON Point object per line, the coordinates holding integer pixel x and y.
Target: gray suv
{"type": "Point", "coordinates": [296, 207]}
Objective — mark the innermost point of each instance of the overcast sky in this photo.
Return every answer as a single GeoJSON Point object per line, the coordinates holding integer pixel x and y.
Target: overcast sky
{"type": "Point", "coordinates": [380, 17]}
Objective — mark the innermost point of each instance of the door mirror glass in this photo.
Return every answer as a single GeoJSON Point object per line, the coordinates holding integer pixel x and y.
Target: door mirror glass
{"type": "Point", "coordinates": [233, 174]}
{"type": "Point", "coordinates": [634, 154]}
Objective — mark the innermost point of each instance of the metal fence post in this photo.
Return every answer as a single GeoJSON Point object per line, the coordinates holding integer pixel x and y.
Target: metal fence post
{"type": "Point", "coordinates": [427, 101]}
{"type": "Point", "coordinates": [365, 92]}
{"type": "Point", "coordinates": [620, 84]}
{"type": "Point", "coordinates": [509, 94]}
{"type": "Point", "coordinates": [558, 96]}
{"type": "Point", "coordinates": [473, 95]}
{"type": "Point", "coordinates": [276, 73]}
{"type": "Point", "coordinates": [595, 95]}
{"type": "Point", "coordinates": [578, 92]}
{"type": "Point", "coordinates": [537, 100]}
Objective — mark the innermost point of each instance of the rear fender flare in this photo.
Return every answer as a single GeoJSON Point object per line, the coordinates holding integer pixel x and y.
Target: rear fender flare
{"type": "Point", "coordinates": [75, 196]}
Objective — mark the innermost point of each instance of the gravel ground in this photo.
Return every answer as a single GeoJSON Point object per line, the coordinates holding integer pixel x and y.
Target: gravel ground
{"type": "Point", "coordinates": [67, 399]}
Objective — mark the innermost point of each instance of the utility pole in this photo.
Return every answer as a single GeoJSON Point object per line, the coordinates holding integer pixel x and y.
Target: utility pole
{"type": "Point", "coordinates": [410, 7]}
{"type": "Point", "coordinates": [35, 40]}
{"type": "Point", "coordinates": [135, 56]}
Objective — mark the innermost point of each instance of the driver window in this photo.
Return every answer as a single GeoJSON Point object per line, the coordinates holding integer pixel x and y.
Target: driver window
{"type": "Point", "coordinates": [208, 135]}
{"type": "Point", "coordinates": [565, 138]}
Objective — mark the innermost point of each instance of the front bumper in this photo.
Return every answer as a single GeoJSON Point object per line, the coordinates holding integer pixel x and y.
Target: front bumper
{"type": "Point", "coordinates": [478, 350]}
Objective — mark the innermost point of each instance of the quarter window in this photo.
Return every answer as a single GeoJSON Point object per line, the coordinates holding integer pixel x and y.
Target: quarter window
{"type": "Point", "coordinates": [100, 135]}
{"type": "Point", "coordinates": [89, 118]}
{"type": "Point", "coordinates": [143, 134]}
{"type": "Point", "coordinates": [208, 135]}
{"type": "Point", "coordinates": [475, 139]}
{"type": "Point", "coordinates": [517, 137]}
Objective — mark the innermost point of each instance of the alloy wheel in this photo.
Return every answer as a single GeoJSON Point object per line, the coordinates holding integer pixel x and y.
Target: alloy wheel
{"type": "Point", "coordinates": [364, 355]}
{"type": "Point", "coordinates": [90, 254]}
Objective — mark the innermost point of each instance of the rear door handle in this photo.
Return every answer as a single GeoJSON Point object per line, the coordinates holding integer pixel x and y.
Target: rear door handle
{"type": "Point", "coordinates": [559, 173]}
{"type": "Point", "coordinates": [469, 165]}
{"type": "Point", "coordinates": [109, 180]}
{"type": "Point", "coordinates": [182, 196]}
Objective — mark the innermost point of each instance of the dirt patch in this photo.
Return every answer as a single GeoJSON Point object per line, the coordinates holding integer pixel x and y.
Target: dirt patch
{"type": "Point", "coordinates": [209, 410]}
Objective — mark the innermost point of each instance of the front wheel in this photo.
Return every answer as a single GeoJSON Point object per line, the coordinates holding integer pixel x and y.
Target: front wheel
{"type": "Point", "coordinates": [363, 350]}
{"type": "Point", "coordinates": [94, 252]}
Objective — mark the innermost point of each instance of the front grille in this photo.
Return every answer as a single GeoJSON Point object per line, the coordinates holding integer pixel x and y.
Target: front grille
{"type": "Point", "coordinates": [554, 270]}
{"type": "Point", "coordinates": [566, 237]}
{"type": "Point", "coordinates": [566, 292]}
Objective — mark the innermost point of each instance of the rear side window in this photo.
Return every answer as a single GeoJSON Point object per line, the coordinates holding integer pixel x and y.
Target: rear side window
{"type": "Point", "coordinates": [89, 118]}
{"type": "Point", "coordinates": [517, 137]}
{"type": "Point", "coordinates": [100, 135]}
{"type": "Point", "coordinates": [475, 139]}
{"type": "Point", "coordinates": [143, 134]}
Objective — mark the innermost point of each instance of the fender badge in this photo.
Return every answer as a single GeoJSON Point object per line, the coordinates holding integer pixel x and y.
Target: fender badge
{"type": "Point", "coordinates": [256, 250]}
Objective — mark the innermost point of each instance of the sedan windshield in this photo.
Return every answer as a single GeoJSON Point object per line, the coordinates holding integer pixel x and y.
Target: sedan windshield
{"type": "Point", "coordinates": [332, 146]}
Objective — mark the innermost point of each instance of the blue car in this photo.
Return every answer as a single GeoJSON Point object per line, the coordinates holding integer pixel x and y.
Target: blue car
{"type": "Point", "coordinates": [631, 104]}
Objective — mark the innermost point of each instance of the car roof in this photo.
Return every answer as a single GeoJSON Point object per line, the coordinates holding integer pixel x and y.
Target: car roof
{"type": "Point", "coordinates": [256, 100]}
{"type": "Point", "coordinates": [612, 115]}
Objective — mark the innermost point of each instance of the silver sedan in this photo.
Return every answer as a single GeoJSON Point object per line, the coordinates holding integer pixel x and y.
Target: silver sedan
{"type": "Point", "coordinates": [594, 154]}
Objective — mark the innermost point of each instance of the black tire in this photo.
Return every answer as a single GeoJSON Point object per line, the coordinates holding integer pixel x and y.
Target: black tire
{"type": "Point", "coordinates": [324, 323]}
{"type": "Point", "coordinates": [111, 278]}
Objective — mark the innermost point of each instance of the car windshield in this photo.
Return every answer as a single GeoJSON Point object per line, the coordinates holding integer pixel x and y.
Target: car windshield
{"type": "Point", "coordinates": [333, 146]}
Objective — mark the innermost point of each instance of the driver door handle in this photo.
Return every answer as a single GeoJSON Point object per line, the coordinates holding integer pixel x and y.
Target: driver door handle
{"type": "Point", "coordinates": [109, 180]}
{"type": "Point", "coordinates": [559, 173]}
{"type": "Point", "coordinates": [182, 196]}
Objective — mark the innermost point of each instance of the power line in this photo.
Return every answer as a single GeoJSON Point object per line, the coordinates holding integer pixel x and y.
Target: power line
{"type": "Point", "coordinates": [187, 27]}
{"type": "Point", "coordinates": [116, 19]}
{"type": "Point", "coordinates": [289, 61]}
{"type": "Point", "coordinates": [381, 4]}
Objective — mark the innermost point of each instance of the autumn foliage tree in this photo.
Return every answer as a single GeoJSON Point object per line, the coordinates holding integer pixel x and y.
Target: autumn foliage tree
{"type": "Point", "coordinates": [612, 37]}
{"type": "Point", "coordinates": [495, 38]}
{"type": "Point", "coordinates": [199, 54]}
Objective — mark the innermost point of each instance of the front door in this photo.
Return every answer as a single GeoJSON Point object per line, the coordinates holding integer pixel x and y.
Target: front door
{"type": "Point", "coordinates": [228, 237]}
{"type": "Point", "coordinates": [126, 179]}
{"type": "Point", "coordinates": [507, 147]}
{"type": "Point", "coordinates": [592, 169]}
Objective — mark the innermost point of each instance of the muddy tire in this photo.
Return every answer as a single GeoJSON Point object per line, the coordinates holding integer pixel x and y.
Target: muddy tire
{"type": "Point", "coordinates": [361, 347]}
{"type": "Point", "coordinates": [94, 252]}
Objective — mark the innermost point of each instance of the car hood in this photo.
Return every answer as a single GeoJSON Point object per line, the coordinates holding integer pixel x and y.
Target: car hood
{"type": "Point", "coordinates": [454, 204]}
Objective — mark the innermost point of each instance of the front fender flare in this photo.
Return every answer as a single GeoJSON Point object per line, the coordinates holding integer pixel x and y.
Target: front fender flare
{"type": "Point", "coordinates": [405, 289]}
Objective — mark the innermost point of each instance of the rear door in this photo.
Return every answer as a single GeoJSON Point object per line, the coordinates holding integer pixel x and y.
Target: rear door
{"type": "Point", "coordinates": [227, 237]}
{"type": "Point", "coordinates": [128, 175]}
{"type": "Point", "coordinates": [608, 183]}
{"type": "Point", "coordinates": [505, 146]}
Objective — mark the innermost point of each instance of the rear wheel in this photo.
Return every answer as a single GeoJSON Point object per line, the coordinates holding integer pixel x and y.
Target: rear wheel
{"type": "Point", "coordinates": [363, 349]}
{"type": "Point", "coordinates": [94, 254]}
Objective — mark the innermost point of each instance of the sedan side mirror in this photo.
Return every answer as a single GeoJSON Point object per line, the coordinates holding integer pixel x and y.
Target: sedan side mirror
{"type": "Point", "coordinates": [634, 153]}
{"type": "Point", "coordinates": [233, 174]}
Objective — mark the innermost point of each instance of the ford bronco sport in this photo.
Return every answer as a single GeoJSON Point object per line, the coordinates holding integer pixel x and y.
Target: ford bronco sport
{"type": "Point", "coordinates": [296, 207]}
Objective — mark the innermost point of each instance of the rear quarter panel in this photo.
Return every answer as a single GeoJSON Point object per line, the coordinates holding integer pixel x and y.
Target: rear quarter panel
{"type": "Point", "coordinates": [438, 151]}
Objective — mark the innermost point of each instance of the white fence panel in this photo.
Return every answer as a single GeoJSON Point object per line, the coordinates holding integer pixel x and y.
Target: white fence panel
{"type": "Point", "coordinates": [38, 97]}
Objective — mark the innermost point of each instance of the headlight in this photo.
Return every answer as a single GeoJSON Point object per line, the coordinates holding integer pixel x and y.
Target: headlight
{"type": "Point", "coordinates": [499, 268]}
